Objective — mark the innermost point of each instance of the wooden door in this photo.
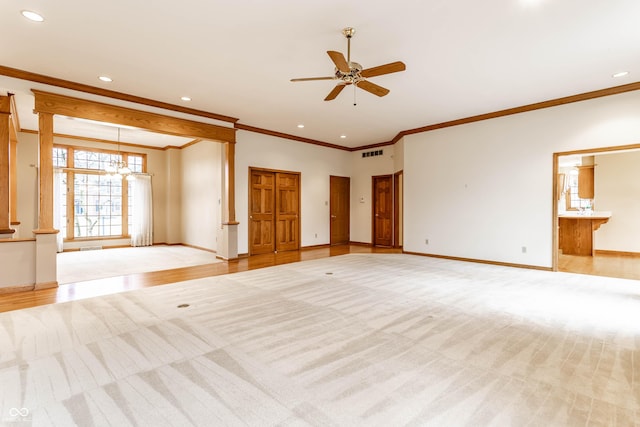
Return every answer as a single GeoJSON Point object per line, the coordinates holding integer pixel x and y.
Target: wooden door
{"type": "Point", "coordinates": [287, 211]}
{"type": "Point", "coordinates": [261, 212]}
{"type": "Point", "coordinates": [339, 209]}
{"type": "Point", "coordinates": [382, 210]}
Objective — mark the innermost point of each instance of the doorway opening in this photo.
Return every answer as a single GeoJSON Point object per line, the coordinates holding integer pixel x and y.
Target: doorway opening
{"type": "Point", "coordinates": [596, 212]}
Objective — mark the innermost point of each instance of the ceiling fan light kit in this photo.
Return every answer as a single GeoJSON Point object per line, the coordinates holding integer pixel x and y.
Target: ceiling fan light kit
{"type": "Point", "coordinates": [349, 72]}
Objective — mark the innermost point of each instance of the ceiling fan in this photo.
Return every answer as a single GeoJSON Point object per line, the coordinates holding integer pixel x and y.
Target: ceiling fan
{"type": "Point", "coordinates": [352, 73]}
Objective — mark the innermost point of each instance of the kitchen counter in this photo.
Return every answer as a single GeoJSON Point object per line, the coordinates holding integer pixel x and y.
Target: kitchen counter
{"type": "Point", "coordinates": [577, 230]}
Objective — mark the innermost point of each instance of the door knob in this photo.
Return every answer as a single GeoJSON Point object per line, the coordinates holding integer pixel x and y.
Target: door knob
{"type": "Point", "coordinates": [333, 216]}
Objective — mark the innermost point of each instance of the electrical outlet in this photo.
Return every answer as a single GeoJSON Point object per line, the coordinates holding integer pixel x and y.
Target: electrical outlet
{"type": "Point", "coordinates": [524, 249]}
{"type": "Point", "coordinates": [316, 235]}
{"type": "Point", "coordinates": [426, 241]}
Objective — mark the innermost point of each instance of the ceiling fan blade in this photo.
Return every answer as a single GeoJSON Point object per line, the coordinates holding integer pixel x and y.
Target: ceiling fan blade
{"type": "Point", "coordinates": [373, 88]}
{"type": "Point", "coordinates": [306, 79]}
{"type": "Point", "coordinates": [392, 67]}
{"type": "Point", "coordinates": [340, 61]}
{"type": "Point", "coordinates": [335, 92]}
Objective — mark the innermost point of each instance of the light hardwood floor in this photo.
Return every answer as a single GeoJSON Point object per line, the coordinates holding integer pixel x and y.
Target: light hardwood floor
{"type": "Point", "coordinates": [621, 266]}
{"type": "Point", "coordinates": [93, 288]}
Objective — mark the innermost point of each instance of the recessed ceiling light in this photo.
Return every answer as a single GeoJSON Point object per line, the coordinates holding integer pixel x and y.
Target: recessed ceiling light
{"type": "Point", "coordinates": [32, 16]}
{"type": "Point", "coordinates": [106, 79]}
{"type": "Point", "coordinates": [621, 74]}
{"type": "Point", "coordinates": [300, 126]}
{"type": "Point", "coordinates": [343, 136]}
{"type": "Point", "coordinates": [186, 98]}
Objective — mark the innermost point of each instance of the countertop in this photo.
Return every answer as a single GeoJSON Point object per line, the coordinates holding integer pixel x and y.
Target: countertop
{"type": "Point", "coordinates": [586, 214]}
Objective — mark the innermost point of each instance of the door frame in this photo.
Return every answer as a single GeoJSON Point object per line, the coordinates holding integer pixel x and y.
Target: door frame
{"type": "Point", "coordinates": [373, 207]}
{"type": "Point", "coordinates": [556, 169]}
{"type": "Point", "coordinates": [299, 228]}
{"type": "Point", "coordinates": [398, 196]}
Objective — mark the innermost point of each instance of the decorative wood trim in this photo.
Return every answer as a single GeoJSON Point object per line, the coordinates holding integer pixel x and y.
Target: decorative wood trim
{"type": "Point", "coordinates": [368, 147]}
{"type": "Point", "coordinates": [396, 207]}
{"type": "Point", "coordinates": [14, 289]}
{"type": "Point", "coordinates": [479, 261]}
{"type": "Point", "coordinates": [29, 239]}
{"type": "Point", "coordinates": [66, 84]}
{"type": "Point", "coordinates": [102, 141]}
{"type": "Point", "coordinates": [229, 213]}
{"type": "Point", "coordinates": [5, 149]}
{"type": "Point", "coordinates": [189, 144]}
{"type": "Point", "coordinates": [46, 231]}
{"type": "Point", "coordinates": [555, 242]}
{"type": "Point", "coordinates": [525, 108]}
{"type": "Point", "coordinates": [45, 175]}
{"type": "Point", "coordinates": [15, 120]}
{"type": "Point", "coordinates": [599, 150]}
{"type": "Point", "coordinates": [368, 245]}
{"type": "Point", "coordinates": [617, 253]}
{"type": "Point", "coordinates": [291, 137]}
{"type": "Point", "coordinates": [45, 285]}
{"type": "Point", "coordinates": [13, 181]}
{"type": "Point", "coordinates": [311, 247]}
{"type": "Point", "coordinates": [91, 110]}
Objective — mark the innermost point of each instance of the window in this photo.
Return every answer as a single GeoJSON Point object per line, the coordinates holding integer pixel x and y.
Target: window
{"type": "Point", "coordinates": [574, 202]}
{"type": "Point", "coordinates": [93, 205]}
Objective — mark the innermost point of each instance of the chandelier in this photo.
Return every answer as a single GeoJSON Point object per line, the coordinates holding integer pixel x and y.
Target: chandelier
{"type": "Point", "coordinates": [118, 169]}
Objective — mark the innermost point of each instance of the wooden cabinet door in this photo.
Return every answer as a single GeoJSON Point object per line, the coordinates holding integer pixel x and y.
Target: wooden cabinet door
{"type": "Point", "coordinates": [261, 212]}
{"type": "Point", "coordinates": [339, 209]}
{"type": "Point", "coordinates": [287, 211]}
{"type": "Point", "coordinates": [383, 210]}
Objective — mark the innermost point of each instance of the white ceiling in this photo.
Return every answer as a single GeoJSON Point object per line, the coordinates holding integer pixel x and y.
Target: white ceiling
{"type": "Point", "coordinates": [236, 58]}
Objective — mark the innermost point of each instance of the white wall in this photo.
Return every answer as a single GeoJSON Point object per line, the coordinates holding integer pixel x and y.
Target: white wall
{"type": "Point", "coordinates": [617, 189]}
{"type": "Point", "coordinates": [200, 199]}
{"type": "Point", "coordinates": [484, 190]}
{"type": "Point", "coordinates": [315, 163]}
{"type": "Point", "coordinates": [27, 159]}
{"type": "Point", "coordinates": [17, 253]}
{"type": "Point", "coordinates": [362, 169]}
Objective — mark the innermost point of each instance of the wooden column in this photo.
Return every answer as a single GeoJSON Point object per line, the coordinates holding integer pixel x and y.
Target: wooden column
{"type": "Point", "coordinates": [14, 127]}
{"type": "Point", "coordinates": [45, 210]}
{"type": "Point", "coordinates": [13, 181]}
{"type": "Point", "coordinates": [229, 213]}
{"type": "Point", "coordinates": [5, 117]}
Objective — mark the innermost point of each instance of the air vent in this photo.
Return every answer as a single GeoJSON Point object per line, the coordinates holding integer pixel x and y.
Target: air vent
{"type": "Point", "coordinates": [91, 248]}
{"type": "Point", "coordinates": [372, 153]}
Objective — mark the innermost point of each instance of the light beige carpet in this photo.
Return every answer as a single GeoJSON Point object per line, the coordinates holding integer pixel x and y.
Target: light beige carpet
{"type": "Point", "coordinates": [361, 339]}
{"type": "Point", "coordinates": [80, 266]}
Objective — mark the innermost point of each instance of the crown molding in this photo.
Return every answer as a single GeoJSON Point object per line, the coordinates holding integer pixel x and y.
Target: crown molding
{"type": "Point", "coordinates": [66, 84]}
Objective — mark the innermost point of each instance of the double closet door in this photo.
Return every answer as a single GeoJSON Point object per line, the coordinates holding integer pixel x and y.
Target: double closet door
{"type": "Point", "coordinates": [274, 211]}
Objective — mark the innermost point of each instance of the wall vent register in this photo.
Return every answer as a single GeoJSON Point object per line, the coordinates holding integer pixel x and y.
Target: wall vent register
{"type": "Point", "coordinates": [372, 153]}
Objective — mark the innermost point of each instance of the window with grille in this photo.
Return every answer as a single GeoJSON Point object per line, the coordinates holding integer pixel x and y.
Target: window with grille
{"type": "Point", "coordinates": [94, 205]}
